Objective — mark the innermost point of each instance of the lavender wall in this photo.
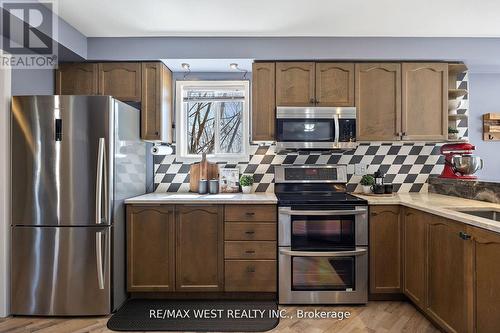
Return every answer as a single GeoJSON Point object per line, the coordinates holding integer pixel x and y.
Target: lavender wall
{"type": "Point", "coordinates": [32, 82]}
{"type": "Point", "coordinates": [484, 98]}
{"type": "Point", "coordinates": [478, 53]}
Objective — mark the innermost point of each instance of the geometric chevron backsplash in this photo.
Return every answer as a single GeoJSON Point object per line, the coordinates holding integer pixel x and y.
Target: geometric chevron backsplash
{"type": "Point", "coordinates": [406, 165]}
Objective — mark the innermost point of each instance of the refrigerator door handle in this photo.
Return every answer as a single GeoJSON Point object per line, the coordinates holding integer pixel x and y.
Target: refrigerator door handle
{"type": "Point", "coordinates": [99, 182]}
{"type": "Point", "coordinates": [99, 260]}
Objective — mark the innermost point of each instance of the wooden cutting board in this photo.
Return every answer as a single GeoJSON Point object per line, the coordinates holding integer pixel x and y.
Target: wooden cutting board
{"type": "Point", "coordinates": [202, 170]}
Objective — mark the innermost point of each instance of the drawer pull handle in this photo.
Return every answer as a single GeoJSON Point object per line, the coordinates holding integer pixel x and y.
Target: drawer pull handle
{"type": "Point", "coordinates": [249, 232]}
{"type": "Point", "coordinates": [250, 269]}
{"type": "Point", "coordinates": [250, 213]}
{"type": "Point", "coordinates": [250, 251]}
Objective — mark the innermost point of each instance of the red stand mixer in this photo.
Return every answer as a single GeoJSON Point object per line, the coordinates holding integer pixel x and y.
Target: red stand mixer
{"type": "Point", "coordinates": [459, 163]}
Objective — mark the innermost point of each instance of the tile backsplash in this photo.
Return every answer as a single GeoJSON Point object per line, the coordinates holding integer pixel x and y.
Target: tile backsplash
{"type": "Point", "coordinates": [406, 165]}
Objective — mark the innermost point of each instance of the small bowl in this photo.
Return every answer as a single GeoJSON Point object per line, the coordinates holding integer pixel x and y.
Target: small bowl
{"type": "Point", "coordinates": [454, 104]}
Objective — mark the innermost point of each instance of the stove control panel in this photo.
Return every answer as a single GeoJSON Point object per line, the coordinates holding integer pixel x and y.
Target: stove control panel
{"type": "Point", "coordinates": [311, 174]}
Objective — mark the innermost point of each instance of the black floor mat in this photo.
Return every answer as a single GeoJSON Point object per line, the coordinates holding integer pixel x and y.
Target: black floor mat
{"type": "Point", "coordinates": [188, 315]}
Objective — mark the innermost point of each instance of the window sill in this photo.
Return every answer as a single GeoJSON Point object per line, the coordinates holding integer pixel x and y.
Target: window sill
{"type": "Point", "coordinates": [215, 159]}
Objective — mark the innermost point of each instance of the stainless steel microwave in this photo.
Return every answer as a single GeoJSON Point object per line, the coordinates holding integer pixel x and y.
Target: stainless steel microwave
{"type": "Point", "coordinates": [319, 128]}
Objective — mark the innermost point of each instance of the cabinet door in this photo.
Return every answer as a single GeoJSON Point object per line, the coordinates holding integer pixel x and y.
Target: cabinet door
{"type": "Point", "coordinates": [425, 101]}
{"type": "Point", "coordinates": [263, 101]}
{"type": "Point", "coordinates": [150, 248]}
{"type": "Point", "coordinates": [486, 248]}
{"type": "Point", "coordinates": [76, 79]}
{"type": "Point", "coordinates": [414, 262]}
{"type": "Point", "coordinates": [334, 84]}
{"type": "Point", "coordinates": [199, 248]}
{"type": "Point", "coordinates": [121, 80]}
{"type": "Point", "coordinates": [295, 83]}
{"type": "Point", "coordinates": [385, 249]}
{"type": "Point", "coordinates": [156, 104]}
{"type": "Point", "coordinates": [378, 101]}
{"type": "Point", "coordinates": [449, 277]}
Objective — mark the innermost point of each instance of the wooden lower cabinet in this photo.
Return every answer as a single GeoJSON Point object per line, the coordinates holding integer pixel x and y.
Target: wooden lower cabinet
{"type": "Point", "coordinates": [150, 248]}
{"type": "Point", "coordinates": [250, 275]}
{"type": "Point", "coordinates": [201, 248]}
{"type": "Point", "coordinates": [199, 254]}
{"type": "Point", "coordinates": [486, 249]}
{"type": "Point", "coordinates": [449, 275]}
{"type": "Point", "coordinates": [385, 250]}
{"type": "Point", "coordinates": [414, 262]}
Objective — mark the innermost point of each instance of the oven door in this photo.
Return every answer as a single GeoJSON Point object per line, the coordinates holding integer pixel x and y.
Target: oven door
{"type": "Point", "coordinates": [339, 277]}
{"type": "Point", "coordinates": [304, 229]}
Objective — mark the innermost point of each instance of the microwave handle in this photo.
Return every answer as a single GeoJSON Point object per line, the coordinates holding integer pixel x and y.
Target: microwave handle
{"type": "Point", "coordinates": [288, 211]}
{"type": "Point", "coordinates": [337, 130]}
{"type": "Point", "coordinates": [357, 252]}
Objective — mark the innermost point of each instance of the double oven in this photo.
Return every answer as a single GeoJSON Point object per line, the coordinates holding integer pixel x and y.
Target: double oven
{"type": "Point", "coordinates": [321, 128]}
{"type": "Point", "coordinates": [322, 237]}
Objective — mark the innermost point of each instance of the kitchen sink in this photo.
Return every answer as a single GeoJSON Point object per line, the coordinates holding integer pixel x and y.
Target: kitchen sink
{"type": "Point", "coordinates": [484, 213]}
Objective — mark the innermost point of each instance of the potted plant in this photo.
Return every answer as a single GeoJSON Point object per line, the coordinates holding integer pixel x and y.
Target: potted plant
{"type": "Point", "coordinates": [452, 133]}
{"type": "Point", "coordinates": [366, 182]}
{"type": "Point", "coordinates": [246, 182]}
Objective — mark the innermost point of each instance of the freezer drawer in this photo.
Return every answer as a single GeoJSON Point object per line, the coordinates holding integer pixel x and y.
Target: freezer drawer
{"type": "Point", "coordinates": [60, 270]}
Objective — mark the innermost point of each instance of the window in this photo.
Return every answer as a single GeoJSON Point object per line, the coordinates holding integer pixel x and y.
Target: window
{"type": "Point", "coordinates": [212, 117]}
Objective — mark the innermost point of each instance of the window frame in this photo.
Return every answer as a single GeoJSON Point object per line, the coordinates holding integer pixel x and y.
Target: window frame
{"type": "Point", "coordinates": [181, 121]}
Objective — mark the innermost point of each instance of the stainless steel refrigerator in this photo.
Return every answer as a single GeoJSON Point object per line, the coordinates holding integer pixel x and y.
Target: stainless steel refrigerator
{"type": "Point", "coordinates": [74, 160]}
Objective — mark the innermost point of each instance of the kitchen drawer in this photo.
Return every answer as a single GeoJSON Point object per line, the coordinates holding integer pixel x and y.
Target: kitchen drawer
{"type": "Point", "coordinates": [248, 213]}
{"type": "Point", "coordinates": [249, 231]}
{"type": "Point", "coordinates": [250, 250]}
{"type": "Point", "coordinates": [250, 275]}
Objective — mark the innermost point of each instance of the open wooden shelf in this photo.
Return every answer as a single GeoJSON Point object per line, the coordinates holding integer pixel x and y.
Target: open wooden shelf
{"type": "Point", "coordinates": [454, 69]}
{"type": "Point", "coordinates": [491, 127]}
{"type": "Point", "coordinates": [456, 93]}
{"type": "Point", "coordinates": [457, 116]}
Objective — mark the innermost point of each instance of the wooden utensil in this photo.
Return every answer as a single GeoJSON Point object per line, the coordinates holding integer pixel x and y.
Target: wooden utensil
{"type": "Point", "coordinates": [202, 170]}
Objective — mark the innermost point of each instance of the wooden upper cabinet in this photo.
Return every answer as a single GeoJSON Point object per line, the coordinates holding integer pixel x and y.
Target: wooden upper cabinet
{"type": "Point", "coordinates": [334, 84]}
{"type": "Point", "coordinates": [295, 83]}
{"type": "Point", "coordinates": [378, 101]}
{"type": "Point", "coordinates": [425, 101]}
{"type": "Point", "coordinates": [486, 247]}
{"type": "Point", "coordinates": [414, 262]}
{"type": "Point", "coordinates": [449, 276]}
{"type": "Point", "coordinates": [150, 248]}
{"type": "Point", "coordinates": [385, 249]}
{"type": "Point", "coordinates": [157, 102]}
{"type": "Point", "coordinates": [263, 101]}
{"type": "Point", "coordinates": [121, 80]}
{"type": "Point", "coordinates": [199, 248]}
{"type": "Point", "coordinates": [76, 79]}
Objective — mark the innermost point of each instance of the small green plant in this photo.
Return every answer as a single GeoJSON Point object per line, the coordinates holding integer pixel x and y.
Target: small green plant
{"type": "Point", "coordinates": [246, 180]}
{"type": "Point", "coordinates": [452, 130]}
{"type": "Point", "coordinates": [367, 180]}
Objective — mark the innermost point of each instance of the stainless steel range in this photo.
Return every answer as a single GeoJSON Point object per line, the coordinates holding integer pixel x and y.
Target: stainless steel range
{"type": "Point", "coordinates": [322, 237]}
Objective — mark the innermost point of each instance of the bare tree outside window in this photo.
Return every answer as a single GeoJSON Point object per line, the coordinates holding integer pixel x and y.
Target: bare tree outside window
{"type": "Point", "coordinates": [214, 120]}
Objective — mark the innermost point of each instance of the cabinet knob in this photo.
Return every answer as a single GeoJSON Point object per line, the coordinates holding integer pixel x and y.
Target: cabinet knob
{"type": "Point", "coordinates": [250, 213]}
{"type": "Point", "coordinates": [249, 232]}
{"type": "Point", "coordinates": [311, 100]}
{"type": "Point", "coordinates": [250, 251]}
{"type": "Point", "coordinates": [250, 269]}
{"type": "Point", "coordinates": [156, 133]}
{"type": "Point", "coordinates": [464, 236]}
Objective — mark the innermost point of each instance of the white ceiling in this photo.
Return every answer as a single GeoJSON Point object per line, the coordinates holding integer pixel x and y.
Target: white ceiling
{"type": "Point", "coordinates": [401, 18]}
{"type": "Point", "coordinates": [209, 65]}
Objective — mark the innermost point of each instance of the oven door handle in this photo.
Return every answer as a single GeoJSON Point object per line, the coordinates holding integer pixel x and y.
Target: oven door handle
{"type": "Point", "coordinates": [358, 252]}
{"type": "Point", "coordinates": [288, 211]}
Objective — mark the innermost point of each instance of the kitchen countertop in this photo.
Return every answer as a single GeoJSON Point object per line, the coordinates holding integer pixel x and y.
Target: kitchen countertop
{"type": "Point", "coordinates": [441, 205]}
{"type": "Point", "coordinates": [195, 198]}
